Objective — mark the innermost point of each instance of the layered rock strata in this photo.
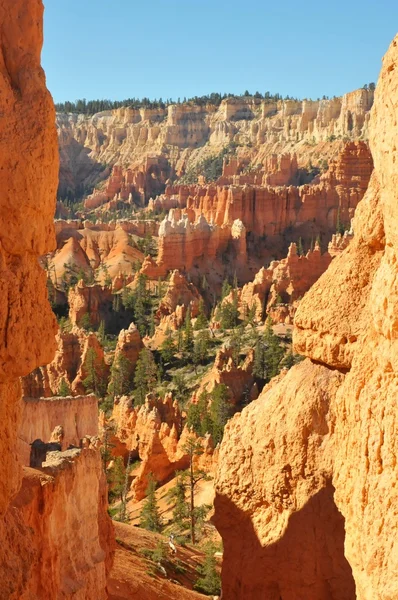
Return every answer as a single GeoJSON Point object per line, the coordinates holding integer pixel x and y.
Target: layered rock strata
{"type": "Point", "coordinates": [78, 417]}
{"type": "Point", "coordinates": [154, 143]}
{"type": "Point", "coordinates": [68, 365]}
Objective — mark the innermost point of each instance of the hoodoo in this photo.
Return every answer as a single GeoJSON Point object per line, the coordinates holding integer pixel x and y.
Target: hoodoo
{"type": "Point", "coordinates": [198, 317]}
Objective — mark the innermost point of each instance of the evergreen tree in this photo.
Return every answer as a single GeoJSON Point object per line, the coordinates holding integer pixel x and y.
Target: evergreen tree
{"type": "Point", "coordinates": [116, 303]}
{"type": "Point", "coordinates": [120, 383]}
{"type": "Point", "coordinates": [85, 322]}
{"type": "Point", "coordinates": [160, 288]}
{"type": "Point", "coordinates": [204, 284]}
{"type": "Point", "coordinates": [181, 389]}
{"type": "Point", "coordinates": [274, 351]}
{"type": "Point", "coordinates": [250, 315]}
{"type": "Point", "coordinates": [201, 347]}
{"type": "Point", "coordinates": [141, 305]}
{"type": "Point", "coordinates": [176, 496]}
{"type": "Point", "coordinates": [180, 340]}
{"type": "Point", "coordinates": [210, 581]}
{"type": "Point", "coordinates": [268, 354]}
{"type": "Point", "coordinates": [94, 381]}
{"type": "Point", "coordinates": [229, 314]}
{"type": "Point", "coordinates": [235, 343]}
{"type": "Point", "coordinates": [198, 418]}
{"type": "Point", "coordinates": [64, 389]}
{"type": "Point", "coordinates": [101, 332]}
{"type": "Point", "coordinates": [106, 448]}
{"type": "Point", "coordinates": [146, 375]}
{"type": "Point", "coordinates": [150, 517]}
{"type": "Point", "coordinates": [300, 249]}
{"type": "Point", "coordinates": [201, 320]}
{"type": "Point", "coordinates": [219, 411]}
{"type": "Point", "coordinates": [152, 324]}
{"type": "Point", "coordinates": [116, 478]}
{"type": "Point", "coordinates": [188, 333]}
{"type": "Point", "coordinates": [193, 449]}
{"type": "Point", "coordinates": [168, 348]}
{"type": "Point", "coordinates": [140, 315]}
{"type": "Point", "coordinates": [259, 364]}
{"type": "Point", "coordinates": [226, 289]}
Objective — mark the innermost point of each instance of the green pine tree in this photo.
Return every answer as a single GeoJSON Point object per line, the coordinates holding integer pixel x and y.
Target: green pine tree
{"type": "Point", "coordinates": [209, 581]}
{"type": "Point", "coordinates": [116, 479]}
{"type": "Point", "coordinates": [300, 249]}
{"type": "Point", "coordinates": [168, 348]}
{"type": "Point", "coordinates": [176, 497]}
{"type": "Point", "coordinates": [201, 347]}
{"type": "Point", "coordinates": [188, 333]}
{"type": "Point", "coordinates": [225, 290]}
{"type": "Point", "coordinates": [120, 381]}
{"type": "Point", "coordinates": [150, 516]}
{"type": "Point", "coordinates": [201, 320]}
{"type": "Point", "coordinates": [268, 354]}
{"type": "Point", "coordinates": [193, 448]}
{"type": "Point", "coordinates": [101, 332]}
{"type": "Point", "coordinates": [94, 382]}
{"type": "Point", "coordinates": [141, 305]}
{"type": "Point", "coordinates": [64, 389]}
{"type": "Point", "coordinates": [220, 411]}
{"type": "Point", "coordinates": [145, 377]}
{"type": "Point", "coordinates": [85, 322]}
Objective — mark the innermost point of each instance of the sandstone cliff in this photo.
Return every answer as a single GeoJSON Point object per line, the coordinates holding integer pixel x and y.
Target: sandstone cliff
{"type": "Point", "coordinates": [68, 365]}
{"type": "Point", "coordinates": [70, 534]}
{"type": "Point", "coordinates": [45, 553]}
{"type": "Point", "coordinates": [157, 143]}
{"type": "Point", "coordinates": [306, 499]}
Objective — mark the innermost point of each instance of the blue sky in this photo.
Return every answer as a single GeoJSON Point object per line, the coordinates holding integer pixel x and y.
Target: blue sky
{"type": "Point", "coordinates": [175, 48]}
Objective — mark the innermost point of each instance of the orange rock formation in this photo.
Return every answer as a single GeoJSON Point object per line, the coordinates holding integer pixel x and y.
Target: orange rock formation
{"type": "Point", "coordinates": [153, 433]}
{"type": "Point", "coordinates": [94, 250]}
{"type": "Point", "coordinates": [238, 378]}
{"type": "Point", "coordinates": [54, 527]}
{"type": "Point", "coordinates": [151, 144]}
{"type": "Point", "coordinates": [306, 496]}
{"type": "Point", "coordinates": [284, 281]}
{"type": "Point", "coordinates": [68, 364]}
{"type": "Point", "coordinates": [78, 417]}
{"type": "Point", "coordinates": [271, 210]}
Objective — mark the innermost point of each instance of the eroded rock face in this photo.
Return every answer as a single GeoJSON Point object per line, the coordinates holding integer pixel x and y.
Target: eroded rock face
{"type": "Point", "coordinates": [69, 365]}
{"type": "Point", "coordinates": [152, 143]}
{"type": "Point", "coordinates": [43, 550]}
{"type": "Point", "coordinates": [237, 378]}
{"type": "Point", "coordinates": [154, 434]}
{"type": "Point", "coordinates": [275, 506]}
{"type": "Point", "coordinates": [129, 345]}
{"type": "Point", "coordinates": [266, 209]}
{"type": "Point", "coordinates": [321, 443]}
{"type": "Point", "coordinates": [93, 250]}
{"type": "Point", "coordinates": [76, 415]}
{"type": "Point", "coordinates": [27, 229]}
{"type": "Point", "coordinates": [284, 281]}
{"type": "Point", "coordinates": [69, 493]}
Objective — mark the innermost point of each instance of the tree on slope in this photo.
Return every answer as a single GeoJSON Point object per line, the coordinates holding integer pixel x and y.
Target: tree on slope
{"type": "Point", "coordinates": [150, 516]}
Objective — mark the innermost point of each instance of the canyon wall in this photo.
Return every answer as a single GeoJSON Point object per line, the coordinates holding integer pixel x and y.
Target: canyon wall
{"type": "Point", "coordinates": [306, 496]}
{"type": "Point", "coordinates": [78, 417]}
{"type": "Point", "coordinates": [53, 539]}
{"type": "Point", "coordinates": [155, 143]}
